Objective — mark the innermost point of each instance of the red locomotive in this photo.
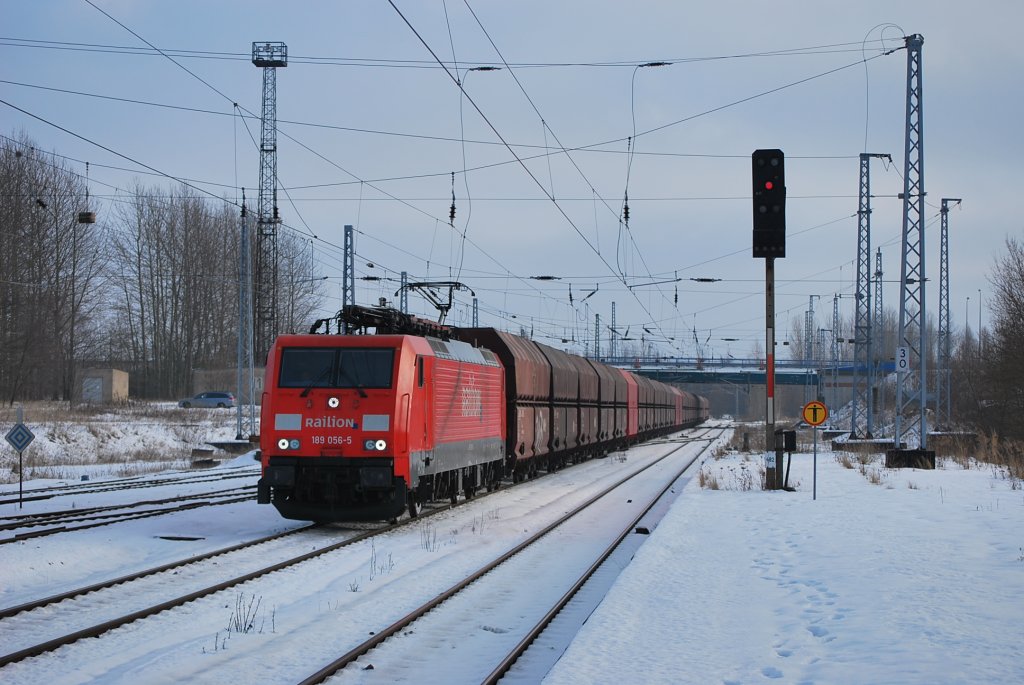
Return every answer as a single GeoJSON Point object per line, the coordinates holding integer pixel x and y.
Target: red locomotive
{"type": "Point", "coordinates": [362, 427]}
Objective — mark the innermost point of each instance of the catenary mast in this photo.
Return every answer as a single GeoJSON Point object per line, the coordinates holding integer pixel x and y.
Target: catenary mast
{"type": "Point", "coordinates": [943, 377]}
{"type": "Point", "coordinates": [862, 333]}
{"type": "Point", "coordinates": [911, 367]}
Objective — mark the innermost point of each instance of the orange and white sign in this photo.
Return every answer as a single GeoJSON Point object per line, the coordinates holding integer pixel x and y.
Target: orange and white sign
{"type": "Point", "coordinates": [815, 413]}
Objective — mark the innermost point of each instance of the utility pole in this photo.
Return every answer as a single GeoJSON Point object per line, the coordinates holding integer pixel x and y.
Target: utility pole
{"type": "Point", "coordinates": [911, 355]}
{"type": "Point", "coordinates": [862, 338]}
{"type": "Point", "coordinates": [268, 56]}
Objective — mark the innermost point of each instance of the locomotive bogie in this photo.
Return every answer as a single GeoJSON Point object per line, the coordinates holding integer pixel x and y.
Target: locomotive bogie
{"type": "Point", "coordinates": [334, 489]}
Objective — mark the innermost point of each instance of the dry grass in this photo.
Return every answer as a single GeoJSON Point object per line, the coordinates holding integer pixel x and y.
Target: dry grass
{"type": "Point", "coordinates": [1006, 453]}
{"type": "Point", "coordinates": [746, 476]}
{"type": "Point", "coordinates": [1004, 457]}
{"type": "Point", "coordinates": [707, 480]}
{"type": "Point", "coordinates": [873, 475]}
{"type": "Point", "coordinates": [844, 459]}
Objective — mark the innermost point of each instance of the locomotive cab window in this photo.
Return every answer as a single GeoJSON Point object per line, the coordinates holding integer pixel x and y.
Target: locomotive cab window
{"type": "Point", "coordinates": [365, 367]}
{"type": "Point", "coordinates": [336, 367]}
{"type": "Point", "coordinates": [305, 367]}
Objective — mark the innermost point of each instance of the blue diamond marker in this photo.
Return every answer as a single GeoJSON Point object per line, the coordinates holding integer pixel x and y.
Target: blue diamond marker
{"type": "Point", "coordinates": [20, 437]}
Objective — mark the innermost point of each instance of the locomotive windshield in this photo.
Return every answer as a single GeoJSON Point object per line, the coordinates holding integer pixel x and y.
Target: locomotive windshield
{"type": "Point", "coordinates": [336, 367]}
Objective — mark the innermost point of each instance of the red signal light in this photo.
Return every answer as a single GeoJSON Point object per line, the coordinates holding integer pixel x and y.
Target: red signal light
{"type": "Point", "coordinates": [768, 185]}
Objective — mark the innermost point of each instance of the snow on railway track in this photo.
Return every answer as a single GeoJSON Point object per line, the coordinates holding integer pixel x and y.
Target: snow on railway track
{"type": "Point", "coordinates": [323, 602]}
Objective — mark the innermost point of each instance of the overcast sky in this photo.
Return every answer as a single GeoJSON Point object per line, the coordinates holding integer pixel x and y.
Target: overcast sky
{"type": "Point", "coordinates": [371, 129]}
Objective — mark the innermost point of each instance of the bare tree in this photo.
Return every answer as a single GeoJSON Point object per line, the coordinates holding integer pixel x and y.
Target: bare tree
{"type": "Point", "coordinates": [49, 274]}
{"type": "Point", "coordinates": [1003, 360]}
{"type": "Point", "coordinates": [300, 286]}
{"type": "Point", "coordinates": [173, 261]}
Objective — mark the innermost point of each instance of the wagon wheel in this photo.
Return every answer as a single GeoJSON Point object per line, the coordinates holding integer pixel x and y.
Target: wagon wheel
{"type": "Point", "coordinates": [469, 482]}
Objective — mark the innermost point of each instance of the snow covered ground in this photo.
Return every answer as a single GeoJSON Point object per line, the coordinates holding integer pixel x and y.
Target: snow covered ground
{"type": "Point", "coordinates": [143, 437]}
{"type": "Point", "coordinates": [887, 577]}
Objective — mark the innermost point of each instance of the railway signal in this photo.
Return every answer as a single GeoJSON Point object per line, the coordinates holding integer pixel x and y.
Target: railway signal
{"type": "Point", "coordinates": [769, 185]}
{"type": "Point", "coordinates": [769, 195]}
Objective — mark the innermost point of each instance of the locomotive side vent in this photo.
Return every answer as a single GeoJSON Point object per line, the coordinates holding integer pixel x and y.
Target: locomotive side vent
{"type": "Point", "coordinates": [440, 349]}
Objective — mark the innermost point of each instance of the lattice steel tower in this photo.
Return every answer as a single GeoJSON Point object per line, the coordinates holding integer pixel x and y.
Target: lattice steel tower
{"type": "Point", "coordinates": [809, 354]}
{"type": "Point", "coordinates": [862, 338]}
{"type": "Point", "coordinates": [943, 375]}
{"type": "Point", "coordinates": [348, 274]}
{"type": "Point", "coordinates": [403, 297]}
{"type": "Point", "coordinates": [878, 328]}
{"type": "Point", "coordinates": [267, 56]}
{"type": "Point", "coordinates": [613, 348]}
{"type": "Point", "coordinates": [835, 346]}
{"type": "Point", "coordinates": [911, 366]}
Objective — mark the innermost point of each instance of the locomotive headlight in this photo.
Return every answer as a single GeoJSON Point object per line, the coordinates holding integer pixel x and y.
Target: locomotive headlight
{"type": "Point", "coordinates": [333, 402]}
{"type": "Point", "coordinates": [381, 445]}
{"type": "Point", "coordinates": [282, 444]}
{"type": "Point", "coordinates": [293, 444]}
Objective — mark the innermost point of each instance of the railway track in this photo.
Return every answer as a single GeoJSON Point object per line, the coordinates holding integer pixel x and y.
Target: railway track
{"type": "Point", "coordinates": [73, 611]}
{"type": "Point", "coordinates": [134, 483]}
{"type": "Point", "coordinates": [409, 625]}
{"type": "Point", "coordinates": [91, 517]}
{"type": "Point", "coordinates": [95, 610]}
{"type": "Point", "coordinates": [114, 582]}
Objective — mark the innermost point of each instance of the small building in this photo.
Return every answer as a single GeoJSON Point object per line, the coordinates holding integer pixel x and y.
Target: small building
{"type": "Point", "coordinates": [102, 386]}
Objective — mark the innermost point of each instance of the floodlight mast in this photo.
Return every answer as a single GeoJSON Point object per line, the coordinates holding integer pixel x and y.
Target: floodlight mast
{"type": "Point", "coordinates": [268, 56]}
